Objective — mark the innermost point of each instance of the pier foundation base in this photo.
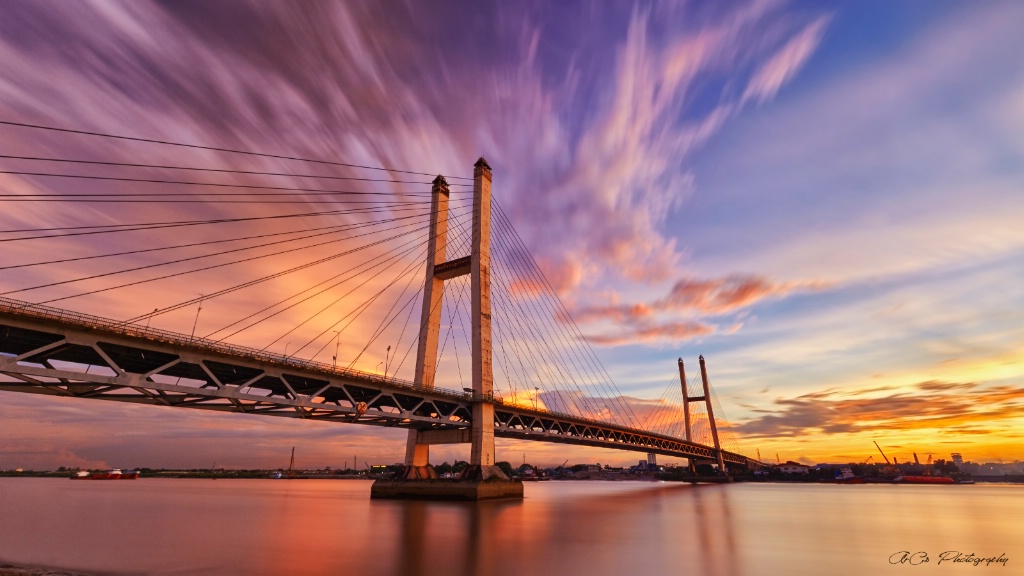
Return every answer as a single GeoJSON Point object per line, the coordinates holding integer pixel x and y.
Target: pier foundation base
{"type": "Point", "coordinates": [474, 483]}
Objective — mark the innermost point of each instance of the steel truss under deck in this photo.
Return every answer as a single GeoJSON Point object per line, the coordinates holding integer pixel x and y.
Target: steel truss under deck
{"type": "Point", "coordinates": [58, 352]}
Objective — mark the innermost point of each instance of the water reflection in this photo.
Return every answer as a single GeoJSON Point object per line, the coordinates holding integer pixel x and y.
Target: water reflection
{"type": "Point", "coordinates": [713, 526]}
{"type": "Point", "coordinates": [456, 538]}
{"type": "Point", "coordinates": [413, 533]}
{"type": "Point", "coordinates": [569, 532]}
{"type": "Point", "coordinates": [252, 527]}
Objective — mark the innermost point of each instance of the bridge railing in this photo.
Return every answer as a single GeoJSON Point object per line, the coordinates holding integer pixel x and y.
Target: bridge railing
{"type": "Point", "coordinates": [39, 311]}
{"type": "Point", "coordinates": [123, 328]}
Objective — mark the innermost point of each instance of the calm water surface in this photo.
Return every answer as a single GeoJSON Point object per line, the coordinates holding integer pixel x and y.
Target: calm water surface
{"type": "Point", "coordinates": [172, 526]}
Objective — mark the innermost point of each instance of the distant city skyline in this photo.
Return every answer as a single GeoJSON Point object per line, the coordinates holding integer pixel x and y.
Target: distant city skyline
{"type": "Point", "coordinates": [823, 200]}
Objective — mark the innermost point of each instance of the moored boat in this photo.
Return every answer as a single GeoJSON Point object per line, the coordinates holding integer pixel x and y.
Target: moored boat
{"type": "Point", "coordinates": [113, 474]}
{"type": "Point", "coordinates": [845, 476]}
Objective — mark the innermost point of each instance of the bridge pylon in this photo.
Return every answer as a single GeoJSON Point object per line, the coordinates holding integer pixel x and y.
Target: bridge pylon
{"type": "Point", "coordinates": [706, 398]}
{"type": "Point", "coordinates": [418, 479]}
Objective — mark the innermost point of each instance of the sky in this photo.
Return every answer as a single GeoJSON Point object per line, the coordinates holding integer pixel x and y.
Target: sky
{"type": "Point", "coordinates": [823, 200]}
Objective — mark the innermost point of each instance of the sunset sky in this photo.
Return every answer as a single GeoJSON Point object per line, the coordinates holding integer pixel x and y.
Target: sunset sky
{"type": "Point", "coordinates": [824, 200]}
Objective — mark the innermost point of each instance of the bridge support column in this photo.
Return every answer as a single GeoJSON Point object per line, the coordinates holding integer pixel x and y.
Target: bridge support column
{"type": "Point", "coordinates": [686, 413]}
{"type": "Point", "coordinates": [711, 417]}
{"type": "Point", "coordinates": [482, 453]}
{"type": "Point", "coordinates": [417, 455]}
{"type": "Point", "coordinates": [481, 479]}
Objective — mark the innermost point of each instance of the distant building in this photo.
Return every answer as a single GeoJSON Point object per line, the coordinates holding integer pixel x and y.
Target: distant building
{"type": "Point", "coordinates": [957, 458]}
{"type": "Point", "coordinates": [645, 466]}
{"type": "Point", "coordinates": [791, 467]}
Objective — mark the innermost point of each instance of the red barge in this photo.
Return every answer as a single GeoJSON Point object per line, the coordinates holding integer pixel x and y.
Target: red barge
{"type": "Point", "coordinates": [924, 480]}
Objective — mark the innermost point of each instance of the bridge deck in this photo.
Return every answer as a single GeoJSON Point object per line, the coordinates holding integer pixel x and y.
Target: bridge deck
{"type": "Point", "coordinates": [52, 351]}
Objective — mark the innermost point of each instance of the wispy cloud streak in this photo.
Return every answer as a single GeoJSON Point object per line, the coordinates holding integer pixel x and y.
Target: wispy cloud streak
{"type": "Point", "coordinates": [933, 405]}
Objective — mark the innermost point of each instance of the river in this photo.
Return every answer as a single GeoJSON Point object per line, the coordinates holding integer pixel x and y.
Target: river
{"type": "Point", "coordinates": [252, 527]}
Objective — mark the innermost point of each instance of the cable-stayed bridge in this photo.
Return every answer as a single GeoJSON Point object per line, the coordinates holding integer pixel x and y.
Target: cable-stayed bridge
{"type": "Point", "coordinates": [496, 351]}
{"type": "Point", "coordinates": [42, 346]}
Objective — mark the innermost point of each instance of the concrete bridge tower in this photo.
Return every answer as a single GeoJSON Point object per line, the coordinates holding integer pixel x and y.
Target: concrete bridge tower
{"type": "Point", "coordinates": [418, 479]}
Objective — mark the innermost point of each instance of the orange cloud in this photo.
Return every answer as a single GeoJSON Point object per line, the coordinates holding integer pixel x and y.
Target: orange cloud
{"type": "Point", "coordinates": [674, 331]}
{"type": "Point", "coordinates": [634, 322]}
{"type": "Point", "coordinates": [963, 407]}
{"type": "Point", "coordinates": [723, 294]}
{"type": "Point", "coordinates": [713, 296]}
{"type": "Point", "coordinates": [617, 313]}
{"type": "Point", "coordinates": [564, 274]}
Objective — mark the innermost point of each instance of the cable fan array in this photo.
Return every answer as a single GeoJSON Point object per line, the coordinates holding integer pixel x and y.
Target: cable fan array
{"type": "Point", "coordinates": [269, 242]}
{"type": "Point", "coordinates": [309, 258]}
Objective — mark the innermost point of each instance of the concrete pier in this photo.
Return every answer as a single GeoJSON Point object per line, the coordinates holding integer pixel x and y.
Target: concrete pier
{"type": "Point", "coordinates": [422, 483]}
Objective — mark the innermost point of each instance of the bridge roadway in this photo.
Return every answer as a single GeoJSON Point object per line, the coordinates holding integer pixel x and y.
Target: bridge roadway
{"type": "Point", "coordinates": [64, 353]}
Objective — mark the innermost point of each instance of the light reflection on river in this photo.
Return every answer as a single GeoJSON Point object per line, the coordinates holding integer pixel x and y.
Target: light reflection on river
{"type": "Point", "coordinates": [169, 526]}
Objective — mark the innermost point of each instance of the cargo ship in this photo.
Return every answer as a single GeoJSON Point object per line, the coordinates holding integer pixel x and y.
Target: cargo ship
{"type": "Point", "coordinates": [114, 474]}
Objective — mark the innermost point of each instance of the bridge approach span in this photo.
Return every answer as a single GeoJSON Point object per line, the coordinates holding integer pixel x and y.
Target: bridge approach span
{"type": "Point", "coordinates": [46, 350]}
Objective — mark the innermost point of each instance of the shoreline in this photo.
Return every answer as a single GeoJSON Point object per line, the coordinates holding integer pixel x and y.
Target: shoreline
{"type": "Point", "coordinates": [1009, 479]}
{"type": "Point", "coordinates": [8, 569]}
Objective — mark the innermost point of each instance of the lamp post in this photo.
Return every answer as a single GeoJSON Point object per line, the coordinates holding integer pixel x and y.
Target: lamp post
{"type": "Point", "coordinates": [286, 344]}
{"type": "Point", "coordinates": [337, 342]}
{"type": "Point", "coordinates": [196, 323]}
{"type": "Point", "coordinates": [386, 354]}
{"type": "Point", "coordinates": [536, 393]}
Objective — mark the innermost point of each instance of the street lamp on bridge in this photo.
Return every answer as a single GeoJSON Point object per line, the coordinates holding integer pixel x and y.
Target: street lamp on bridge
{"type": "Point", "coordinates": [337, 342]}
